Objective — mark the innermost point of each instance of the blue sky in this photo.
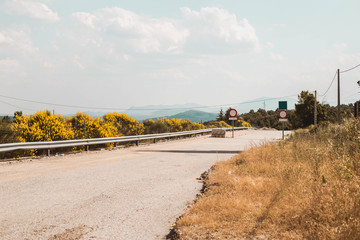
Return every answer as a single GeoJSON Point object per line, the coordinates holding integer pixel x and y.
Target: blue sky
{"type": "Point", "coordinates": [135, 53]}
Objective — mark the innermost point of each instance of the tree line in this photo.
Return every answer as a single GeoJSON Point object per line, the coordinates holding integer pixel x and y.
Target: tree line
{"type": "Point", "coordinates": [300, 117]}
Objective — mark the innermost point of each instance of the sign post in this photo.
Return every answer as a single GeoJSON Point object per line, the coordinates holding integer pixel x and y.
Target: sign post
{"type": "Point", "coordinates": [232, 117]}
{"type": "Point", "coordinates": [283, 115]}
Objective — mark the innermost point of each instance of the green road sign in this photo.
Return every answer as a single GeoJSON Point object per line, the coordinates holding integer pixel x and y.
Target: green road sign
{"type": "Point", "coordinates": [283, 105]}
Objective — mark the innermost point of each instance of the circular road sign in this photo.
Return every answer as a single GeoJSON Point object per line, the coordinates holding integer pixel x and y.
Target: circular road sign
{"type": "Point", "coordinates": [283, 114]}
{"type": "Point", "coordinates": [232, 113]}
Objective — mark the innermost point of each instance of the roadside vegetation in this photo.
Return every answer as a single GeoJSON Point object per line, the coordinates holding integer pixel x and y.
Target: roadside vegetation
{"type": "Point", "coordinates": [300, 117]}
{"type": "Point", "coordinates": [44, 126]}
{"type": "Point", "coordinates": [307, 187]}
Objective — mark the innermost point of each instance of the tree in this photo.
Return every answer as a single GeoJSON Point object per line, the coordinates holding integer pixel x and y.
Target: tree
{"type": "Point", "coordinates": [6, 119]}
{"type": "Point", "coordinates": [152, 127]}
{"type": "Point", "coordinates": [7, 135]}
{"type": "Point", "coordinates": [227, 116]}
{"type": "Point", "coordinates": [304, 110]}
{"type": "Point", "coordinates": [221, 116]}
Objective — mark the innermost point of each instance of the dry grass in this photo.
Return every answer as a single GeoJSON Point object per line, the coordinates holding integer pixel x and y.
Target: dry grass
{"type": "Point", "coordinates": [305, 188]}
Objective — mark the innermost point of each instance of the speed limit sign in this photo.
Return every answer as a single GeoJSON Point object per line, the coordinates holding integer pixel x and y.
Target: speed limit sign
{"type": "Point", "coordinates": [283, 114]}
{"type": "Point", "coordinates": [232, 114]}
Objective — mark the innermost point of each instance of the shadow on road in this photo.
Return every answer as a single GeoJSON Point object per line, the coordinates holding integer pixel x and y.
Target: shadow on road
{"type": "Point", "coordinates": [194, 151]}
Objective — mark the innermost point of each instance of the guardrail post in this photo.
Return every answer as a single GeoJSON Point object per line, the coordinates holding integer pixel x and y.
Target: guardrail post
{"type": "Point", "coordinates": [48, 152]}
{"type": "Point", "coordinates": [154, 140]}
{"type": "Point", "coordinates": [137, 142]}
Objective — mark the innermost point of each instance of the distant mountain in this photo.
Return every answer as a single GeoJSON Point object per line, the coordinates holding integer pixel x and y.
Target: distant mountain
{"type": "Point", "coordinates": [156, 111]}
{"type": "Point", "coordinates": [194, 116]}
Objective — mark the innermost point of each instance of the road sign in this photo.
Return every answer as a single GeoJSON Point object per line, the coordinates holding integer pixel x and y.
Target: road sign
{"type": "Point", "coordinates": [233, 117]}
{"type": "Point", "coordinates": [232, 113]}
{"type": "Point", "coordinates": [283, 105]}
{"type": "Point", "coordinates": [283, 120]}
{"type": "Point", "coordinates": [283, 114]}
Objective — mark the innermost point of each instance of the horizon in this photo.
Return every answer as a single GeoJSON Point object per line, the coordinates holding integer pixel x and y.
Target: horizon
{"type": "Point", "coordinates": [200, 108]}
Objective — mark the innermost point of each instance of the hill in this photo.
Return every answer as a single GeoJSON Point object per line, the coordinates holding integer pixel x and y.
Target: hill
{"type": "Point", "coordinates": [158, 111]}
{"type": "Point", "coordinates": [193, 115]}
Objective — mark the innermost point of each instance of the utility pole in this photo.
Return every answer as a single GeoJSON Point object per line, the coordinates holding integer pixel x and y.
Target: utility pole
{"type": "Point", "coordinates": [315, 109]}
{"type": "Point", "coordinates": [338, 106]}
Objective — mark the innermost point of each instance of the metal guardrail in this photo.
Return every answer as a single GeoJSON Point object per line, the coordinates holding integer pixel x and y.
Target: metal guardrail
{"type": "Point", "coordinates": [7, 147]}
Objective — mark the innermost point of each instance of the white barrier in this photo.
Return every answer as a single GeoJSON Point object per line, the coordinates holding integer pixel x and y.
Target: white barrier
{"type": "Point", "coordinates": [218, 132]}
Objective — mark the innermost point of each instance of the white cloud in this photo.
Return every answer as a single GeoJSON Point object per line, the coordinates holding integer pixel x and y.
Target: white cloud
{"type": "Point", "coordinates": [210, 30]}
{"type": "Point", "coordinates": [276, 57]}
{"type": "Point", "coordinates": [129, 50]}
{"type": "Point", "coordinates": [4, 39]}
{"type": "Point", "coordinates": [31, 9]}
{"type": "Point", "coordinates": [213, 28]}
{"type": "Point", "coordinates": [48, 65]}
{"type": "Point", "coordinates": [126, 57]}
{"type": "Point", "coordinates": [85, 18]}
{"type": "Point", "coordinates": [140, 33]}
{"type": "Point", "coordinates": [12, 40]}
{"type": "Point", "coordinates": [76, 61]}
{"type": "Point", "coordinates": [8, 62]}
{"type": "Point", "coordinates": [268, 45]}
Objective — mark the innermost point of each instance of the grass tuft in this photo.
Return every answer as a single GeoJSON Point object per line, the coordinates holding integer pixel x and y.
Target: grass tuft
{"type": "Point", "coordinates": [306, 187]}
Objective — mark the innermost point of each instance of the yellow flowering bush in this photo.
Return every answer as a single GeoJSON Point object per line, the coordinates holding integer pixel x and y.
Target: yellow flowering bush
{"type": "Point", "coordinates": [124, 124]}
{"type": "Point", "coordinates": [243, 123]}
{"type": "Point", "coordinates": [42, 126]}
{"type": "Point", "coordinates": [218, 124]}
{"type": "Point", "coordinates": [170, 125]}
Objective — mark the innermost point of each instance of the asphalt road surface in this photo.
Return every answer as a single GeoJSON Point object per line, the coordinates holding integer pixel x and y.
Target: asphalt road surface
{"type": "Point", "coordinates": [133, 193]}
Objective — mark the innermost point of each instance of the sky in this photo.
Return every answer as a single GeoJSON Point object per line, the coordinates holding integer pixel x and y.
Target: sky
{"type": "Point", "coordinates": [115, 54]}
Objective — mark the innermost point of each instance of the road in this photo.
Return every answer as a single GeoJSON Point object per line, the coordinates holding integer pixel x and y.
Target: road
{"type": "Point", "coordinates": [132, 193]}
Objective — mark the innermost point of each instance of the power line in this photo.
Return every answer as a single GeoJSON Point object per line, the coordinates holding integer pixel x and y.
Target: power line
{"type": "Point", "coordinates": [136, 109]}
{"type": "Point", "coordinates": [16, 106]}
{"type": "Point", "coordinates": [350, 69]}
{"type": "Point", "coordinates": [59, 105]}
{"type": "Point", "coordinates": [323, 95]}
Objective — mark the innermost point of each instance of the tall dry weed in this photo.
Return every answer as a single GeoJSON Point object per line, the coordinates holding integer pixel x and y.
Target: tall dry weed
{"type": "Point", "coordinates": [307, 187]}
